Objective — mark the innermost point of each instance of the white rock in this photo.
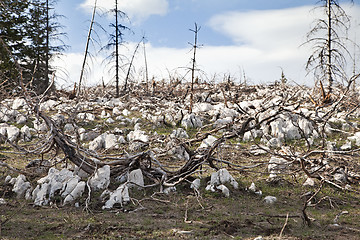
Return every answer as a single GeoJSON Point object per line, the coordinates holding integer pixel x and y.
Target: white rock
{"type": "Point", "coordinates": [69, 128]}
{"type": "Point", "coordinates": [191, 121]}
{"type": "Point", "coordinates": [18, 103]}
{"type": "Point", "coordinates": [208, 142]}
{"type": "Point", "coordinates": [21, 119]}
{"type": "Point", "coordinates": [224, 190]}
{"type": "Point", "coordinates": [137, 127]}
{"type": "Point", "coordinates": [110, 121]}
{"type": "Point", "coordinates": [116, 111]}
{"type": "Point", "coordinates": [101, 178]}
{"type": "Point", "coordinates": [35, 192]}
{"type": "Point", "coordinates": [340, 177]}
{"type": "Point", "coordinates": [12, 133]}
{"type": "Point", "coordinates": [25, 133]}
{"type": "Point", "coordinates": [86, 116]}
{"type": "Point", "coordinates": [179, 133]}
{"type": "Point", "coordinates": [40, 194]}
{"type": "Point", "coordinates": [126, 112]}
{"type": "Point", "coordinates": [110, 141]}
{"type": "Point", "coordinates": [292, 132]}
{"type": "Point", "coordinates": [81, 173]}
{"type": "Point", "coordinates": [69, 186]}
{"type": "Point", "coordinates": [2, 201]}
{"type": "Point", "coordinates": [88, 136]}
{"type": "Point", "coordinates": [28, 193]}
{"type": "Point", "coordinates": [20, 186]}
{"type": "Point", "coordinates": [104, 114]}
{"type": "Point", "coordinates": [252, 187]}
{"type": "Point", "coordinates": [76, 193]}
{"type": "Point", "coordinates": [48, 105]}
{"type": "Point", "coordinates": [121, 140]}
{"type": "Point", "coordinates": [179, 152]}
{"type": "Point", "coordinates": [277, 165]}
{"type": "Point", "coordinates": [306, 126]}
{"type": "Point", "coordinates": [277, 127]}
{"type": "Point", "coordinates": [259, 238]}
{"type": "Point", "coordinates": [255, 150]}
{"type": "Point", "coordinates": [309, 182]}
{"type": "Point", "coordinates": [40, 126]}
{"type": "Point", "coordinates": [274, 143]}
{"type": "Point", "coordinates": [138, 135]}
{"type": "Point", "coordinates": [8, 179]}
{"type": "Point", "coordinates": [59, 119]}
{"type": "Point", "coordinates": [169, 190]}
{"type": "Point", "coordinates": [346, 146]}
{"type": "Point", "coordinates": [120, 195]}
{"type": "Point", "coordinates": [3, 129]}
{"type": "Point", "coordinates": [223, 121]}
{"type": "Point", "coordinates": [248, 136]}
{"type": "Point", "coordinates": [195, 184]}
{"type": "Point", "coordinates": [270, 199]}
{"type": "Point", "coordinates": [210, 188]}
{"type": "Point", "coordinates": [55, 186]}
{"type": "Point", "coordinates": [136, 177]}
{"type": "Point", "coordinates": [98, 143]}
{"type": "Point", "coordinates": [202, 107]}
{"type": "Point", "coordinates": [221, 177]}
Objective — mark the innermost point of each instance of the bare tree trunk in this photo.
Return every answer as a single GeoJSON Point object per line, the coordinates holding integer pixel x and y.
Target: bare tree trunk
{"type": "Point", "coordinates": [47, 46]}
{"type": "Point", "coordinates": [329, 50]}
{"type": "Point", "coordinates": [87, 47]}
{"type": "Point", "coordinates": [117, 51]}
{"type": "Point", "coordinates": [196, 30]}
{"type": "Point", "coordinates": [130, 65]}
{"type": "Point", "coordinates": [146, 66]}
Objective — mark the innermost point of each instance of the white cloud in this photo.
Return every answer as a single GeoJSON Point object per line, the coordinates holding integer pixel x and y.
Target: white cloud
{"type": "Point", "coordinates": [267, 30]}
{"type": "Point", "coordinates": [264, 41]}
{"type": "Point", "coordinates": [137, 10]}
{"type": "Point", "coordinates": [278, 35]}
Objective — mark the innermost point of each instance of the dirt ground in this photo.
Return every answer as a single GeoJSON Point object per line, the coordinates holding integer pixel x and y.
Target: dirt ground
{"type": "Point", "coordinates": [186, 215]}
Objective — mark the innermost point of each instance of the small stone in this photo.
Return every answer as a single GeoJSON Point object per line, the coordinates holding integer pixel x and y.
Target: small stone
{"type": "Point", "coordinates": [8, 179]}
{"type": "Point", "coordinates": [169, 190]}
{"type": "Point", "coordinates": [224, 190]}
{"type": "Point", "coordinates": [309, 182]}
{"type": "Point", "coordinates": [136, 177]}
{"type": "Point", "coordinates": [252, 187]}
{"type": "Point", "coordinates": [346, 146]}
{"type": "Point", "coordinates": [101, 178]}
{"type": "Point", "coordinates": [109, 121]}
{"type": "Point", "coordinates": [208, 142]}
{"type": "Point", "coordinates": [195, 184]}
{"type": "Point", "coordinates": [2, 201]}
{"type": "Point", "coordinates": [270, 199]}
{"type": "Point", "coordinates": [126, 112]}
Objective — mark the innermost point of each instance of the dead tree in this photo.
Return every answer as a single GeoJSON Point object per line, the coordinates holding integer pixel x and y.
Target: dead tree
{"type": "Point", "coordinates": [328, 59]}
{"type": "Point", "coordinates": [87, 48]}
{"type": "Point", "coordinates": [195, 46]}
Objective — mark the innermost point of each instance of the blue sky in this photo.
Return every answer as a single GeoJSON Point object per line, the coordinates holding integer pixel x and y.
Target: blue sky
{"type": "Point", "coordinates": [257, 37]}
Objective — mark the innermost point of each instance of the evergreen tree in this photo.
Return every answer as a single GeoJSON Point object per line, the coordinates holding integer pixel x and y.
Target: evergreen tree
{"type": "Point", "coordinates": [43, 31]}
{"type": "Point", "coordinates": [13, 45]}
{"type": "Point", "coordinates": [30, 36]}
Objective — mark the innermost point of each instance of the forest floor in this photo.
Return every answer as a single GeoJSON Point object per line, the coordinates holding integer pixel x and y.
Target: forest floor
{"type": "Point", "coordinates": [334, 212]}
{"type": "Point", "coordinates": [187, 215]}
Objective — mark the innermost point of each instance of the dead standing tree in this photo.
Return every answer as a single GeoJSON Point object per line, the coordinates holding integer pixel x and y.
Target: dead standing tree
{"type": "Point", "coordinates": [87, 48]}
{"type": "Point", "coordinates": [115, 39]}
{"type": "Point", "coordinates": [328, 59]}
{"type": "Point", "coordinates": [195, 46]}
